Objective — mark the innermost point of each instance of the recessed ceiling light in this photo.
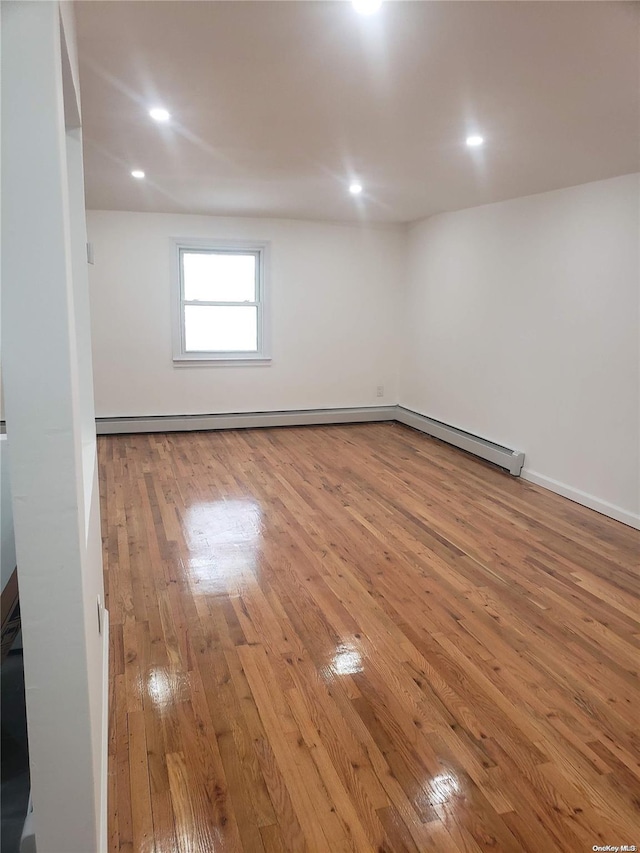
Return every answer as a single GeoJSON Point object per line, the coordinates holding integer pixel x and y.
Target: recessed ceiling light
{"type": "Point", "coordinates": [159, 114]}
{"type": "Point", "coordinates": [475, 141]}
{"type": "Point", "coordinates": [366, 7]}
{"type": "Point", "coordinates": [137, 173]}
{"type": "Point", "coordinates": [355, 188]}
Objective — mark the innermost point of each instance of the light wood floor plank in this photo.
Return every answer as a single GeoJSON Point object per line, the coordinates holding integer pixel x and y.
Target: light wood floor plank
{"type": "Point", "coordinates": [357, 638]}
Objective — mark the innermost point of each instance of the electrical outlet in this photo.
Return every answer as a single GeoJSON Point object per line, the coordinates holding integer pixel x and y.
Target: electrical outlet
{"type": "Point", "coordinates": [380, 391]}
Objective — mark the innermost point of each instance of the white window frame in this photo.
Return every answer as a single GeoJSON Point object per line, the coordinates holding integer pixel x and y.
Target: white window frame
{"type": "Point", "coordinates": [261, 250]}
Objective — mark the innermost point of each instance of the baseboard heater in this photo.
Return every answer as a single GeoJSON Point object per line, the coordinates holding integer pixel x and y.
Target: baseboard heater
{"type": "Point", "coordinates": [244, 420]}
{"type": "Point", "coordinates": [512, 460]}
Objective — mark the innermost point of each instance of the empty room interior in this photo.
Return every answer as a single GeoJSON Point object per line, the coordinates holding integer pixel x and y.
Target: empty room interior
{"type": "Point", "coordinates": [321, 426]}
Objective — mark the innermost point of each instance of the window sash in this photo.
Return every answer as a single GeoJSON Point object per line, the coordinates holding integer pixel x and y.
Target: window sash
{"type": "Point", "coordinates": [258, 303]}
{"type": "Point", "coordinates": [217, 324]}
{"type": "Point", "coordinates": [197, 302]}
{"type": "Point", "coordinates": [254, 253]}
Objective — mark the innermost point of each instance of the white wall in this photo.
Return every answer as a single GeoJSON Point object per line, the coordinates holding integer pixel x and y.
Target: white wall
{"type": "Point", "coordinates": [516, 321]}
{"type": "Point", "coordinates": [521, 324]}
{"type": "Point", "coordinates": [7, 540]}
{"type": "Point", "coordinates": [86, 460]}
{"type": "Point", "coordinates": [49, 416]}
{"type": "Point", "coordinates": [334, 306]}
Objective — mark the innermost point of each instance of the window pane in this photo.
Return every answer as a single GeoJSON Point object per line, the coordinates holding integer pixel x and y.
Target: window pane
{"type": "Point", "coordinates": [213, 328]}
{"type": "Point", "coordinates": [219, 277]}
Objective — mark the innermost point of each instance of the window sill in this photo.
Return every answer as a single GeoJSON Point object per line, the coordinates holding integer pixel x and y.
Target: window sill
{"type": "Point", "coordinates": [222, 361]}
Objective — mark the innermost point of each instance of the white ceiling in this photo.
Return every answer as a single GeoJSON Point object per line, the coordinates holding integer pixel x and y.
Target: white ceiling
{"type": "Point", "coordinates": [277, 105]}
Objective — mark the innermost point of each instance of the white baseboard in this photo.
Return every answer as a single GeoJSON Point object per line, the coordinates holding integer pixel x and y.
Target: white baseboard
{"type": "Point", "coordinates": [583, 498]}
{"type": "Point", "coordinates": [104, 770]}
{"type": "Point", "coordinates": [244, 420]}
{"type": "Point", "coordinates": [512, 460]}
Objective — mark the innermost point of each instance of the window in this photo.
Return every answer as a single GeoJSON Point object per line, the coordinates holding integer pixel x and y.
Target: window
{"type": "Point", "coordinates": [220, 299]}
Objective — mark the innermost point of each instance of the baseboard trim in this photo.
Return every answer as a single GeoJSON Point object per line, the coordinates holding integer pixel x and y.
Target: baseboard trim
{"type": "Point", "coordinates": [104, 770]}
{"type": "Point", "coordinates": [512, 460]}
{"type": "Point", "coordinates": [582, 498]}
{"type": "Point", "coordinates": [505, 457]}
{"type": "Point", "coordinates": [244, 420]}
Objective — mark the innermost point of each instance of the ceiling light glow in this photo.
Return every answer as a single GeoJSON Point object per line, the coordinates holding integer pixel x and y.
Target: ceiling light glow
{"type": "Point", "coordinates": [475, 141]}
{"type": "Point", "coordinates": [137, 173]}
{"type": "Point", "coordinates": [159, 114]}
{"type": "Point", "coordinates": [366, 7]}
{"type": "Point", "coordinates": [355, 188]}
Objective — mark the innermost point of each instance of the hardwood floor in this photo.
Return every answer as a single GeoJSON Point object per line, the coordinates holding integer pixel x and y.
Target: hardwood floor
{"type": "Point", "coordinates": [358, 638]}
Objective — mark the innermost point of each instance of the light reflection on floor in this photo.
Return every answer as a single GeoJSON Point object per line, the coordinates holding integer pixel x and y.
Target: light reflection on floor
{"type": "Point", "coordinates": [346, 660]}
{"type": "Point", "coordinates": [224, 539]}
{"type": "Point", "coordinates": [443, 788]}
{"type": "Point", "coordinates": [166, 689]}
